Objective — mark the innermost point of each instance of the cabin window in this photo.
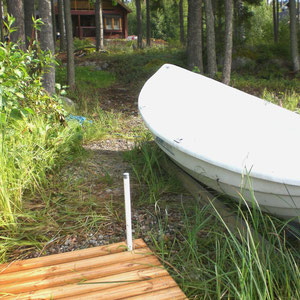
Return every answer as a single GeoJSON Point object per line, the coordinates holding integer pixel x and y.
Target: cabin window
{"type": "Point", "coordinates": [112, 22]}
{"type": "Point", "coordinates": [108, 24]}
{"type": "Point", "coordinates": [116, 23]}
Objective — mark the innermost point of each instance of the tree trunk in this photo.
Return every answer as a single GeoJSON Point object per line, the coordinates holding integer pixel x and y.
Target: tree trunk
{"type": "Point", "coordinates": [238, 7]}
{"type": "Point", "coordinates": [275, 21]}
{"type": "Point", "coordinates": [148, 24]}
{"type": "Point", "coordinates": [70, 46]}
{"type": "Point", "coordinates": [219, 25]}
{"type": "Point", "coordinates": [139, 23]}
{"type": "Point", "coordinates": [194, 42]}
{"type": "Point", "coordinates": [53, 22]}
{"type": "Point", "coordinates": [99, 26]}
{"type": "Point", "coordinates": [228, 42]}
{"type": "Point", "coordinates": [46, 40]}
{"type": "Point", "coordinates": [16, 9]}
{"type": "Point", "coordinates": [293, 36]}
{"type": "Point", "coordinates": [61, 23]}
{"type": "Point", "coordinates": [235, 20]}
{"type": "Point", "coordinates": [277, 18]}
{"type": "Point", "coordinates": [298, 12]}
{"type": "Point", "coordinates": [1, 22]}
{"type": "Point", "coordinates": [210, 39]}
{"type": "Point", "coordinates": [28, 14]}
{"type": "Point", "coordinates": [181, 22]}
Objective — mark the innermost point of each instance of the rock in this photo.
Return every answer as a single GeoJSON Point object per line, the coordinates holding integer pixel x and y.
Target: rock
{"type": "Point", "coordinates": [88, 63]}
{"type": "Point", "coordinates": [69, 105]}
{"type": "Point", "coordinates": [105, 65]}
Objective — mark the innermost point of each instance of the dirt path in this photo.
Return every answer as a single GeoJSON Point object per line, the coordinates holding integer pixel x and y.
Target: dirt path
{"type": "Point", "coordinates": [87, 195]}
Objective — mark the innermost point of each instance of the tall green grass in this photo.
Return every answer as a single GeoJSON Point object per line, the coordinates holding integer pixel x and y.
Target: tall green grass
{"type": "Point", "coordinates": [145, 160]}
{"type": "Point", "coordinates": [30, 151]}
{"type": "Point", "coordinates": [207, 259]}
{"type": "Point", "coordinates": [34, 139]}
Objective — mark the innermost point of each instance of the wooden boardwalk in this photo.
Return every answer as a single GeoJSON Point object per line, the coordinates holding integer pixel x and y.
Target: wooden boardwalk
{"type": "Point", "coordinates": [105, 272]}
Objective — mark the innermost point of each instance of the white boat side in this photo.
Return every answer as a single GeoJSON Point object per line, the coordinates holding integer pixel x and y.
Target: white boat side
{"type": "Point", "coordinates": [227, 139]}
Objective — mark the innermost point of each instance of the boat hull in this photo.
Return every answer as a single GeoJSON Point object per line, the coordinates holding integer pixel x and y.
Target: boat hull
{"type": "Point", "coordinates": [282, 205]}
{"type": "Point", "coordinates": [233, 142]}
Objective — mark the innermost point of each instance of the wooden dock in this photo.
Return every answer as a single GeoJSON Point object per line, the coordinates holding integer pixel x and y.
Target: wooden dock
{"type": "Point", "coordinates": [105, 272]}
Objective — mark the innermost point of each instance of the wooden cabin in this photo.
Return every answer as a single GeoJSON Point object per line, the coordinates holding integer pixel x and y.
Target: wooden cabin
{"type": "Point", "coordinates": [114, 19]}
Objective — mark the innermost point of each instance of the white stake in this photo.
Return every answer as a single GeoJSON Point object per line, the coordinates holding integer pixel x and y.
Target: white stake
{"type": "Point", "coordinates": [128, 210]}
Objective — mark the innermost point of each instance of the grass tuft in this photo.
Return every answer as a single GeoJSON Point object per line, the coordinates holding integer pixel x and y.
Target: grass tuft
{"type": "Point", "coordinates": [207, 260]}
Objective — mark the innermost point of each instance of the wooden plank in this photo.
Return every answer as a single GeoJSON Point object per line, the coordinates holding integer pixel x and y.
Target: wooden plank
{"type": "Point", "coordinates": [97, 284]}
{"type": "Point", "coordinates": [108, 276]}
{"type": "Point", "coordinates": [55, 259]}
{"type": "Point", "coordinates": [79, 265]}
{"type": "Point", "coordinates": [73, 275]}
{"type": "Point", "coordinates": [129, 290]}
{"type": "Point", "coordinates": [174, 293]}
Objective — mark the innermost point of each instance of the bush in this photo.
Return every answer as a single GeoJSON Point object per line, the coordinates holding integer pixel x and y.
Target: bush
{"type": "Point", "coordinates": [32, 138]}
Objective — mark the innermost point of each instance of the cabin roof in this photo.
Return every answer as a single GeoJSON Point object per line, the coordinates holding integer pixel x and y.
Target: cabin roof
{"type": "Point", "coordinates": [118, 1]}
{"type": "Point", "coordinates": [124, 6]}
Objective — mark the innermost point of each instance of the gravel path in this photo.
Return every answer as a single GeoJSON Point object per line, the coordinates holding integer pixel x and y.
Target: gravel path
{"type": "Point", "coordinates": [100, 176]}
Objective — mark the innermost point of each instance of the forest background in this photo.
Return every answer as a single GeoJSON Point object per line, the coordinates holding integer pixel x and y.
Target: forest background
{"type": "Point", "coordinates": [252, 45]}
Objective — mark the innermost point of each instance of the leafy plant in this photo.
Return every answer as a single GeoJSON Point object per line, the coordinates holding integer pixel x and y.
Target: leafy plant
{"type": "Point", "coordinates": [32, 138]}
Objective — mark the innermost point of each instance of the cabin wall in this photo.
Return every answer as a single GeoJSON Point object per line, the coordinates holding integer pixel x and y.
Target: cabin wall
{"type": "Point", "coordinates": [84, 24]}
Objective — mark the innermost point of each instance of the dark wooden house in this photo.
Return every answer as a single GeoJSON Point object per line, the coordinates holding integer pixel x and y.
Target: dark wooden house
{"type": "Point", "coordinates": [114, 18]}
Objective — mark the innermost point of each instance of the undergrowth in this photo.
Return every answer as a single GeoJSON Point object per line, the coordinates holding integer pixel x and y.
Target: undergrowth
{"type": "Point", "coordinates": [34, 140]}
{"type": "Point", "coordinates": [207, 260]}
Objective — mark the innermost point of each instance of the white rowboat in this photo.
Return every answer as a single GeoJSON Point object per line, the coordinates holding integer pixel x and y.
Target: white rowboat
{"type": "Point", "coordinates": [231, 141]}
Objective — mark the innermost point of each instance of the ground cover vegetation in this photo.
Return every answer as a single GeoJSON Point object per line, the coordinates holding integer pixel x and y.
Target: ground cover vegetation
{"type": "Point", "coordinates": [60, 184]}
{"type": "Point", "coordinates": [206, 258]}
{"type": "Point", "coordinates": [33, 140]}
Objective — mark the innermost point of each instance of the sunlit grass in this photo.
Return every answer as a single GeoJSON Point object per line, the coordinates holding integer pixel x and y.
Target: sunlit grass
{"type": "Point", "coordinates": [86, 77]}
{"type": "Point", "coordinates": [206, 258]}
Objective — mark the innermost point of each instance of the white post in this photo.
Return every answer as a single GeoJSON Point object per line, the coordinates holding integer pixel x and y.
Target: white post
{"type": "Point", "coordinates": [128, 210]}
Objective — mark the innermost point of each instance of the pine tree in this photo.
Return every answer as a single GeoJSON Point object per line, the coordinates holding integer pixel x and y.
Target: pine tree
{"type": "Point", "coordinates": [194, 41]}
{"type": "Point", "coordinates": [99, 26]}
{"type": "Point", "coordinates": [210, 39]}
{"type": "Point", "coordinates": [61, 23]}
{"type": "Point", "coordinates": [293, 36]}
{"type": "Point", "coordinates": [139, 23]}
{"type": "Point", "coordinates": [47, 44]}
{"type": "Point", "coordinates": [70, 46]}
{"type": "Point", "coordinates": [16, 9]}
{"type": "Point", "coordinates": [228, 42]}
{"type": "Point", "coordinates": [28, 15]}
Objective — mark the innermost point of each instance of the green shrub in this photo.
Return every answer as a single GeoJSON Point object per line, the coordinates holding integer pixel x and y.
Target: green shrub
{"type": "Point", "coordinates": [32, 139]}
{"type": "Point", "coordinates": [80, 44]}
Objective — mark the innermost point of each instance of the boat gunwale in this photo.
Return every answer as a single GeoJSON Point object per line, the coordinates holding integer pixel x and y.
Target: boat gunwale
{"type": "Point", "coordinates": [220, 164]}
